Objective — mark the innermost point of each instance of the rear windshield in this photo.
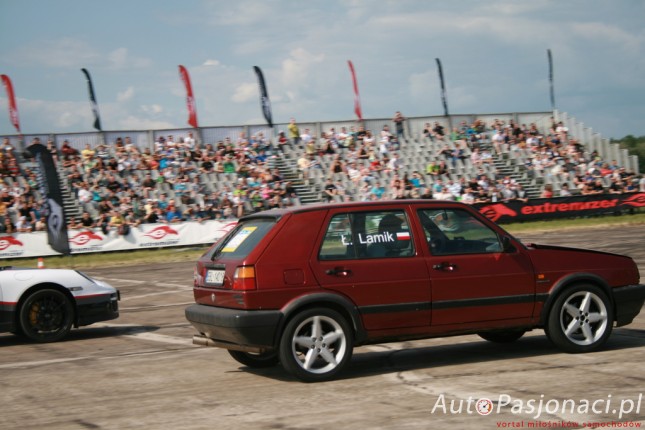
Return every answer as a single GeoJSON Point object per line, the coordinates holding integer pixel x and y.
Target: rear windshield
{"type": "Point", "coordinates": [241, 241]}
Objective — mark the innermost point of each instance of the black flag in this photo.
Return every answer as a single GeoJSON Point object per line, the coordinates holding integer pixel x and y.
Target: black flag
{"type": "Point", "coordinates": [444, 98]}
{"type": "Point", "coordinates": [264, 97]}
{"type": "Point", "coordinates": [548, 53]}
{"type": "Point", "coordinates": [95, 106]}
{"type": "Point", "coordinates": [53, 207]}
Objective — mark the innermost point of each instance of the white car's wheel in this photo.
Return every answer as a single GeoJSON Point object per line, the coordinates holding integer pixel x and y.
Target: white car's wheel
{"type": "Point", "coordinates": [46, 316]}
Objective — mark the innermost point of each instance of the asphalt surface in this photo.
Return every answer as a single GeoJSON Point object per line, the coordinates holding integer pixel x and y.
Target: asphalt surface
{"type": "Point", "coordinates": [142, 371]}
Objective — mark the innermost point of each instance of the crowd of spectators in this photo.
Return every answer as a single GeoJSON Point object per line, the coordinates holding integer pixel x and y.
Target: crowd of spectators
{"type": "Point", "coordinates": [560, 159]}
{"type": "Point", "coordinates": [120, 186]}
{"type": "Point", "coordinates": [20, 210]}
{"type": "Point", "coordinates": [364, 166]}
{"type": "Point", "coordinates": [374, 168]}
{"type": "Point", "coordinates": [125, 187]}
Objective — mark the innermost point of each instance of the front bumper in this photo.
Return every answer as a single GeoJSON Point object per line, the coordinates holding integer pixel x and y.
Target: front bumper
{"type": "Point", "coordinates": [235, 327]}
{"type": "Point", "coordinates": [629, 302]}
{"type": "Point", "coordinates": [95, 309]}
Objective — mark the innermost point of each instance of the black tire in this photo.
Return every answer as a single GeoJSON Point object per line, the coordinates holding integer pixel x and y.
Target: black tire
{"type": "Point", "coordinates": [502, 336]}
{"type": "Point", "coordinates": [46, 316]}
{"type": "Point", "coordinates": [315, 357]}
{"type": "Point", "coordinates": [258, 361]}
{"type": "Point", "coordinates": [580, 319]}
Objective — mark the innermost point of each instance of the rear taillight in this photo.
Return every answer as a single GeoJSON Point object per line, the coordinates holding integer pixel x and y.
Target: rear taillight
{"type": "Point", "coordinates": [244, 278]}
{"type": "Point", "coordinates": [198, 275]}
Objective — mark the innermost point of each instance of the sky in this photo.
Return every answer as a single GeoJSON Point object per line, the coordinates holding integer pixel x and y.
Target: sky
{"type": "Point", "coordinates": [493, 52]}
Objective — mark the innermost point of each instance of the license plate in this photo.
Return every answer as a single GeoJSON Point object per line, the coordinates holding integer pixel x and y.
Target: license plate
{"type": "Point", "coordinates": [215, 277]}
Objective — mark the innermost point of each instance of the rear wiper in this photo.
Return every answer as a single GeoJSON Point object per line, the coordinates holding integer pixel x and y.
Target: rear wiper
{"type": "Point", "coordinates": [217, 251]}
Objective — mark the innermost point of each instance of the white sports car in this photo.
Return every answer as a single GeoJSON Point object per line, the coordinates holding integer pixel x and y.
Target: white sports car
{"type": "Point", "coordinates": [44, 304]}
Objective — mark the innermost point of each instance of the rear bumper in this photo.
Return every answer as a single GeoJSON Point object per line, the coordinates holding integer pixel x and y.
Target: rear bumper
{"type": "Point", "coordinates": [629, 302]}
{"type": "Point", "coordinates": [234, 328]}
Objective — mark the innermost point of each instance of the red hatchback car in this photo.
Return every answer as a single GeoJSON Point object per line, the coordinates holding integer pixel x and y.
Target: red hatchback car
{"type": "Point", "coordinates": [304, 286]}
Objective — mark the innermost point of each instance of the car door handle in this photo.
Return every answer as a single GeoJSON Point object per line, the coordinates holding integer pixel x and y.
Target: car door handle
{"type": "Point", "coordinates": [341, 272]}
{"type": "Point", "coordinates": [448, 267]}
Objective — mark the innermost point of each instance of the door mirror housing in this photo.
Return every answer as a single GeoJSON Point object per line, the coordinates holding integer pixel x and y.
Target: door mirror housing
{"type": "Point", "coordinates": [507, 244]}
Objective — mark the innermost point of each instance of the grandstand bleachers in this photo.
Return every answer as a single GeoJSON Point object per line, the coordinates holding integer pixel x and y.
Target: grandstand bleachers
{"type": "Point", "coordinates": [228, 191]}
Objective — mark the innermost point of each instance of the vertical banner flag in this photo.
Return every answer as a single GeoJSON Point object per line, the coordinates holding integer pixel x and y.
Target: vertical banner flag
{"type": "Point", "coordinates": [13, 109]}
{"type": "Point", "coordinates": [444, 97]}
{"type": "Point", "coordinates": [190, 100]}
{"type": "Point", "coordinates": [357, 99]}
{"type": "Point", "coordinates": [265, 103]}
{"type": "Point", "coordinates": [93, 103]}
{"type": "Point", "coordinates": [53, 207]}
{"type": "Point", "coordinates": [548, 53]}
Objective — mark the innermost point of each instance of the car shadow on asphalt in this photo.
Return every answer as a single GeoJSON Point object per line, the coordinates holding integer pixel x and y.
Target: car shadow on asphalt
{"type": "Point", "coordinates": [405, 356]}
{"type": "Point", "coordinates": [83, 333]}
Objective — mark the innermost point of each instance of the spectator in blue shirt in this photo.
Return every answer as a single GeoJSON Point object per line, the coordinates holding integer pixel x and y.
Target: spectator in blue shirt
{"type": "Point", "coordinates": [378, 190]}
{"type": "Point", "coordinates": [173, 214]}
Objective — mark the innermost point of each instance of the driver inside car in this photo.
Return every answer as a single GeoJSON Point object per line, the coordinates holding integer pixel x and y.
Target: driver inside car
{"type": "Point", "coordinates": [393, 238]}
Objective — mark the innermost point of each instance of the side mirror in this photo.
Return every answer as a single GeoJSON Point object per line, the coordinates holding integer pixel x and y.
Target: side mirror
{"type": "Point", "coordinates": [507, 245]}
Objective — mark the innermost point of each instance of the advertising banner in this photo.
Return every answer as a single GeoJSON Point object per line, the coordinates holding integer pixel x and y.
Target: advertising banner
{"type": "Point", "coordinates": [190, 99]}
{"type": "Point", "coordinates": [151, 236]}
{"type": "Point", "coordinates": [53, 207]}
{"type": "Point", "coordinates": [551, 91]}
{"type": "Point", "coordinates": [357, 98]}
{"type": "Point", "coordinates": [265, 103]}
{"type": "Point", "coordinates": [561, 207]}
{"type": "Point", "coordinates": [444, 97]}
{"type": "Point", "coordinates": [13, 107]}
{"type": "Point", "coordinates": [93, 103]}
{"type": "Point", "coordinates": [145, 236]}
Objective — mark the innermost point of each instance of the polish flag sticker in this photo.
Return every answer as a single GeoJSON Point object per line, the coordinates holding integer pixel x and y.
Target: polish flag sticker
{"type": "Point", "coordinates": [404, 235]}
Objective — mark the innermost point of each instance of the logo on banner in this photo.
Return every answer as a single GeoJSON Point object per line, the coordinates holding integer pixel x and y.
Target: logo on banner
{"type": "Point", "coordinates": [637, 201]}
{"type": "Point", "coordinates": [8, 242]}
{"type": "Point", "coordinates": [161, 232]}
{"type": "Point", "coordinates": [191, 105]}
{"type": "Point", "coordinates": [13, 115]}
{"type": "Point", "coordinates": [495, 212]}
{"type": "Point", "coordinates": [562, 207]}
{"type": "Point", "coordinates": [160, 236]}
{"type": "Point", "coordinates": [82, 241]}
{"type": "Point", "coordinates": [84, 237]}
{"type": "Point", "coordinates": [266, 107]}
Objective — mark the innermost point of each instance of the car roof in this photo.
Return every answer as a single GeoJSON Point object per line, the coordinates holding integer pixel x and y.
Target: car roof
{"type": "Point", "coordinates": [278, 213]}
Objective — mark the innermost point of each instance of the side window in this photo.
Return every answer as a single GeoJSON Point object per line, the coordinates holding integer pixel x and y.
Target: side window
{"type": "Point", "coordinates": [456, 231]}
{"type": "Point", "coordinates": [337, 244]}
{"type": "Point", "coordinates": [364, 235]}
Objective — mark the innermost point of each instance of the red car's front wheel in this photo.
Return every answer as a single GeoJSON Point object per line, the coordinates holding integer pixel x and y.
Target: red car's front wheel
{"type": "Point", "coordinates": [580, 319]}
